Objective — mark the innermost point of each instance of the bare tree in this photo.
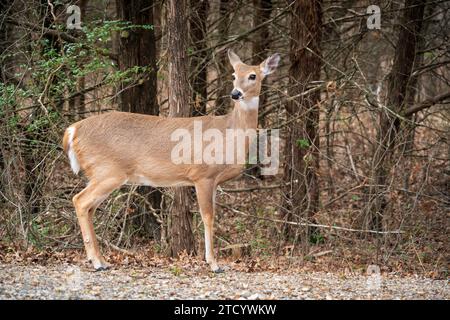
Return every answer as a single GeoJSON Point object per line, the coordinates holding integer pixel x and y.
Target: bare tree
{"type": "Point", "coordinates": [301, 196]}
{"type": "Point", "coordinates": [390, 120]}
{"type": "Point", "coordinates": [198, 62]}
{"type": "Point", "coordinates": [261, 41]}
{"type": "Point", "coordinates": [223, 83]}
{"type": "Point", "coordinates": [181, 236]}
{"type": "Point", "coordinates": [5, 39]}
{"type": "Point", "coordinates": [5, 29]}
{"type": "Point", "coordinates": [137, 49]}
{"type": "Point", "coordinates": [77, 102]}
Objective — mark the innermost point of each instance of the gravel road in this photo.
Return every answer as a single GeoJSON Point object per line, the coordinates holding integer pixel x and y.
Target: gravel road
{"type": "Point", "coordinates": [68, 281]}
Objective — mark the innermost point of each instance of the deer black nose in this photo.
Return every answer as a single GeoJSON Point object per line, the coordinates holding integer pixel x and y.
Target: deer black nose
{"type": "Point", "coordinates": [236, 94]}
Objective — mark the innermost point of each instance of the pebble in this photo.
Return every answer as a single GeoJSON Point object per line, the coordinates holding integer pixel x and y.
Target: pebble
{"type": "Point", "coordinates": [254, 297]}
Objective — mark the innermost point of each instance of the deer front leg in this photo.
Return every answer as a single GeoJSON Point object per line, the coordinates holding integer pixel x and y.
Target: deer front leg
{"type": "Point", "coordinates": [206, 191]}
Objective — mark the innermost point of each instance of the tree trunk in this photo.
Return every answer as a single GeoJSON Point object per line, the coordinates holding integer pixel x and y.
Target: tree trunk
{"type": "Point", "coordinates": [389, 123]}
{"type": "Point", "coordinates": [157, 12]}
{"type": "Point", "coordinates": [77, 104]}
{"type": "Point", "coordinates": [261, 42]}
{"type": "Point", "coordinates": [5, 30]}
{"type": "Point", "coordinates": [5, 40]}
{"type": "Point", "coordinates": [412, 95]}
{"type": "Point", "coordinates": [224, 85]}
{"type": "Point", "coordinates": [181, 237]}
{"type": "Point", "coordinates": [198, 31]}
{"type": "Point", "coordinates": [301, 196]}
{"type": "Point", "coordinates": [137, 48]}
{"type": "Point", "coordinates": [260, 48]}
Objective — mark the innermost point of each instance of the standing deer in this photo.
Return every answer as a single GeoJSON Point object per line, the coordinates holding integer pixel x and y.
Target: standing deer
{"type": "Point", "coordinates": [127, 148]}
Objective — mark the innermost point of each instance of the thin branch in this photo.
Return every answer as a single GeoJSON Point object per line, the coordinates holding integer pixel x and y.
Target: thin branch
{"type": "Point", "coordinates": [309, 224]}
{"type": "Point", "coordinates": [249, 189]}
{"type": "Point", "coordinates": [426, 104]}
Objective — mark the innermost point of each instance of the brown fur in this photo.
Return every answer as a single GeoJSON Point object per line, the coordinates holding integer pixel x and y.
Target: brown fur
{"type": "Point", "coordinates": [65, 141]}
{"type": "Point", "coordinates": [102, 144]}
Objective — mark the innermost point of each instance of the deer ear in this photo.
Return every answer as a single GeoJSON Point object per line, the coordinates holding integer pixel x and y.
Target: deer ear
{"type": "Point", "coordinates": [234, 58]}
{"type": "Point", "coordinates": [270, 64]}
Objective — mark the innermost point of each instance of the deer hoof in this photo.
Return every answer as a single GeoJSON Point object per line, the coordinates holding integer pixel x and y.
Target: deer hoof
{"type": "Point", "coordinates": [218, 270]}
{"type": "Point", "coordinates": [101, 266]}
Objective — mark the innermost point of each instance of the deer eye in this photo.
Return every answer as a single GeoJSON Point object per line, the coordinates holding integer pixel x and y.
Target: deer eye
{"type": "Point", "coordinates": [252, 77]}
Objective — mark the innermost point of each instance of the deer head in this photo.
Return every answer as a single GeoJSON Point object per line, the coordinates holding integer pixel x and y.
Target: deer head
{"type": "Point", "coordinates": [247, 79]}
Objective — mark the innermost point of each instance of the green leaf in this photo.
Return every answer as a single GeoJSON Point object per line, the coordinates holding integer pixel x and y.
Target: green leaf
{"type": "Point", "coordinates": [303, 143]}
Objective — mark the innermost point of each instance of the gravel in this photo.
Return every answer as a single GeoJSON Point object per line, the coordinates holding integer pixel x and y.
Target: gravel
{"type": "Point", "coordinates": [67, 281]}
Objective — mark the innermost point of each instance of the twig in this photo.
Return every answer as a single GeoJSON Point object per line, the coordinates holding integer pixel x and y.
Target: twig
{"type": "Point", "coordinates": [426, 104]}
{"type": "Point", "coordinates": [309, 224]}
{"type": "Point", "coordinates": [107, 243]}
{"type": "Point", "coordinates": [276, 186]}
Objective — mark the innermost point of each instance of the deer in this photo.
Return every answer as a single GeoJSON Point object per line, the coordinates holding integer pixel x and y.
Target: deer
{"type": "Point", "coordinates": [118, 148]}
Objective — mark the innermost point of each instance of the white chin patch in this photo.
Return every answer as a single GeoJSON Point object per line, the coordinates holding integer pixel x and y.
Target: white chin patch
{"type": "Point", "coordinates": [250, 104]}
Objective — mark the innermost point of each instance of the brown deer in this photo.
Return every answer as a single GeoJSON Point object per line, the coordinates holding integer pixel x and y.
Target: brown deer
{"type": "Point", "coordinates": [120, 148]}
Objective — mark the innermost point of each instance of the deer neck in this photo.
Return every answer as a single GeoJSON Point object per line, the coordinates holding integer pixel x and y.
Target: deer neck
{"type": "Point", "coordinates": [245, 114]}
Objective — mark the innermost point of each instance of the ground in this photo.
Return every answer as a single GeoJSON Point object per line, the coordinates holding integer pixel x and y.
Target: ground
{"type": "Point", "coordinates": [74, 281]}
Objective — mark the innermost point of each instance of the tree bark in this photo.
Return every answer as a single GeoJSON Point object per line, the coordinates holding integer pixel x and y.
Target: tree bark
{"type": "Point", "coordinates": [260, 48]}
{"type": "Point", "coordinates": [301, 196]}
{"type": "Point", "coordinates": [181, 237]}
{"type": "Point", "coordinates": [77, 103]}
{"type": "Point", "coordinates": [261, 42]}
{"type": "Point", "coordinates": [224, 69]}
{"type": "Point", "coordinates": [137, 48]}
{"type": "Point", "coordinates": [198, 31]}
{"type": "Point", "coordinates": [389, 125]}
{"type": "Point", "coordinates": [5, 29]}
{"type": "Point", "coordinates": [5, 39]}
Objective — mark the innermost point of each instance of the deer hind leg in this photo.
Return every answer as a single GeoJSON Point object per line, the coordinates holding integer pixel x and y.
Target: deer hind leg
{"type": "Point", "coordinates": [206, 191]}
{"type": "Point", "coordinates": [85, 204]}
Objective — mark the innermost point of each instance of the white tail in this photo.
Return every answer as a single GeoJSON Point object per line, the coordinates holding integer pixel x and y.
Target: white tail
{"type": "Point", "coordinates": [70, 152]}
{"type": "Point", "coordinates": [125, 148]}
